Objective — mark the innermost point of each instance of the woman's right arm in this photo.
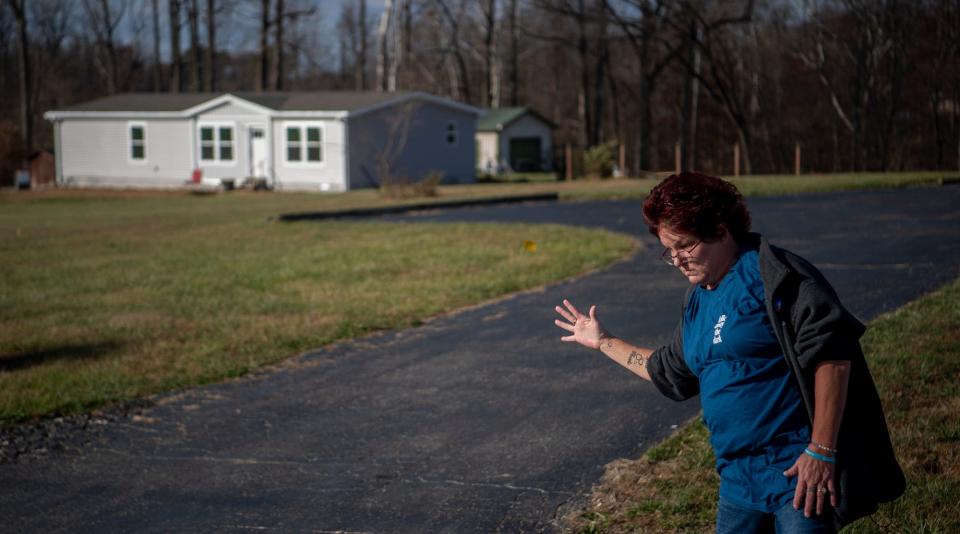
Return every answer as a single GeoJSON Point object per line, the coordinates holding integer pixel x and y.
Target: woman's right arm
{"type": "Point", "coordinates": [630, 356]}
{"type": "Point", "coordinates": [587, 330]}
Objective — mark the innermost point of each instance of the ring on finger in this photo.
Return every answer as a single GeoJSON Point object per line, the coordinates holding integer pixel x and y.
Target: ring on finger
{"type": "Point", "coordinates": [821, 490]}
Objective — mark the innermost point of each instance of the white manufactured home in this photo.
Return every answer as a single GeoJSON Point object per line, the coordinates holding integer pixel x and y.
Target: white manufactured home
{"type": "Point", "coordinates": [315, 141]}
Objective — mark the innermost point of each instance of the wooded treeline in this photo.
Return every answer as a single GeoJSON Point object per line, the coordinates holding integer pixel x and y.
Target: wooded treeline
{"type": "Point", "coordinates": [859, 85]}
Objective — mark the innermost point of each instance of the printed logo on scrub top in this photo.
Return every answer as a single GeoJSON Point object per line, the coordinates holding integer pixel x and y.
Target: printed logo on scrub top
{"type": "Point", "coordinates": [717, 328]}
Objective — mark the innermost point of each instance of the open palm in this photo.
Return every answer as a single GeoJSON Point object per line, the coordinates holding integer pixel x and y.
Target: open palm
{"type": "Point", "coordinates": [584, 329]}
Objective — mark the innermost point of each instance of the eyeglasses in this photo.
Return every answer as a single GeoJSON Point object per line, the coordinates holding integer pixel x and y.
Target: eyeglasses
{"type": "Point", "coordinates": [683, 253]}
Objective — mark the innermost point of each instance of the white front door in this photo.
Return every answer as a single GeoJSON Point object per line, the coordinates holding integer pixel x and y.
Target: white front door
{"type": "Point", "coordinates": [258, 152]}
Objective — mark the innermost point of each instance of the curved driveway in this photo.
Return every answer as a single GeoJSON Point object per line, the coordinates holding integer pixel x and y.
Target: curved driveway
{"type": "Point", "coordinates": [475, 422]}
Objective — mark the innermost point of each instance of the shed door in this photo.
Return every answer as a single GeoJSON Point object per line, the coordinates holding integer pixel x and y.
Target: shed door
{"type": "Point", "coordinates": [258, 152]}
{"type": "Point", "coordinates": [525, 154]}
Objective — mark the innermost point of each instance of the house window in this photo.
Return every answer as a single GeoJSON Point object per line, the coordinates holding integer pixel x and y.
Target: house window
{"type": "Point", "coordinates": [294, 144]}
{"type": "Point", "coordinates": [137, 137]}
{"type": "Point", "coordinates": [216, 143]}
{"type": "Point", "coordinates": [452, 135]}
{"type": "Point", "coordinates": [304, 143]}
{"type": "Point", "coordinates": [226, 144]}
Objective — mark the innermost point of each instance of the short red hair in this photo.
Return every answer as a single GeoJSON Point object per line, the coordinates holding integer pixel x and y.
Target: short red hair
{"type": "Point", "coordinates": [696, 204]}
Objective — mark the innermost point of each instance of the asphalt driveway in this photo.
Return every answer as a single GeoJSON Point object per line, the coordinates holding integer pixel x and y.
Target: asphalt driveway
{"type": "Point", "coordinates": [475, 422]}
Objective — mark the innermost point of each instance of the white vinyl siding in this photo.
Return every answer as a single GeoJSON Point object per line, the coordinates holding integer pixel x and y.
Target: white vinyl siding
{"type": "Point", "coordinates": [303, 143]}
{"type": "Point", "coordinates": [137, 142]}
{"type": "Point", "coordinates": [217, 142]}
{"type": "Point", "coordinates": [97, 153]}
{"type": "Point", "coordinates": [325, 146]}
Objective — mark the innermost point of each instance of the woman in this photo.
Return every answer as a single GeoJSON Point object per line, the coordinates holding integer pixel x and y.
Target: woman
{"type": "Point", "coordinates": [794, 417]}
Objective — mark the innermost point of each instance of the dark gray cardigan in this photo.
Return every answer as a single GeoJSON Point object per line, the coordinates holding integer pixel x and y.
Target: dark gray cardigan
{"type": "Point", "coordinates": [812, 326]}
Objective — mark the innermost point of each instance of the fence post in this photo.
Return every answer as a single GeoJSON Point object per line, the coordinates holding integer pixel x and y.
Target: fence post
{"type": "Point", "coordinates": [623, 161]}
{"type": "Point", "coordinates": [796, 159]}
{"type": "Point", "coordinates": [569, 160]}
{"type": "Point", "coordinates": [676, 158]}
{"type": "Point", "coordinates": [736, 159]}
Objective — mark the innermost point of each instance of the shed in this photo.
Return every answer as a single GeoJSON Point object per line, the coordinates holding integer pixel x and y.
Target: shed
{"type": "Point", "coordinates": [514, 139]}
{"type": "Point", "coordinates": [41, 166]}
{"type": "Point", "coordinates": [314, 141]}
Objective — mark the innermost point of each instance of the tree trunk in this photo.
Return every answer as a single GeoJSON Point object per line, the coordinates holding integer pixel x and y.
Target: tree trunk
{"type": "Point", "coordinates": [103, 25]}
{"type": "Point", "coordinates": [743, 133]}
{"type": "Point", "coordinates": [211, 52]}
{"type": "Point", "coordinates": [194, 27]}
{"type": "Point", "coordinates": [23, 68]}
{"type": "Point", "coordinates": [645, 127]}
{"type": "Point", "coordinates": [489, 33]}
{"type": "Point", "coordinates": [264, 61]}
{"type": "Point", "coordinates": [176, 61]}
{"type": "Point", "coordinates": [360, 74]}
{"type": "Point", "coordinates": [278, 66]}
{"type": "Point", "coordinates": [691, 101]}
{"type": "Point", "coordinates": [583, 99]}
{"type": "Point", "coordinates": [603, 54]}
{"type": "Point", "coordinates": [383, 45]}
{"type": "Point", "coordinates": [514, 68]}
{"type": "Point", "coordinates": [157, 64]}
{"type": "Point", "coordinates": [397, 45]}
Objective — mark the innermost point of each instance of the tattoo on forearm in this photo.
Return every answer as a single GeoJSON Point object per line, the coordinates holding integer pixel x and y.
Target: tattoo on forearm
{"type": "Point", "coordinates": [635, 358]}
{"type": "Point", "coordinates": [609, 343]}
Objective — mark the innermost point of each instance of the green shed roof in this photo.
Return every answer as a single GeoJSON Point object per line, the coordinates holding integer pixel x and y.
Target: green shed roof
{"type": "Point", "coordinates": [493, 120]}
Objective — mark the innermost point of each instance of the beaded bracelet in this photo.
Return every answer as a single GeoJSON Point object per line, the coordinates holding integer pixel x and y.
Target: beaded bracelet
{"type": "Point", "coordinates": [823, 447]}
{"type": "Point", "coordinates": [822, 458]}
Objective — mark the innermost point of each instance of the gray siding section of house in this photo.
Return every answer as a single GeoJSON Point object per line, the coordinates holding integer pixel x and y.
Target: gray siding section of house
{"type": "Point", "coordinates": [328, 174]}
{"type": "Point", "coordinates": [425, 149]}
{"type": "Point", "coordinates": [95, 152]}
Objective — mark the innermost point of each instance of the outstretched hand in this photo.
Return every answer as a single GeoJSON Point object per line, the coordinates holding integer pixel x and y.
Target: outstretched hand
{"type": "Point", "coordinates": [584, 329]}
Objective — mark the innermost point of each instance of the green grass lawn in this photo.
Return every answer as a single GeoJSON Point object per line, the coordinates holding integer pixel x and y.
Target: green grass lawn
{"type": "Point", "coordinates": [109, 297]}
{"type": "Point", "coordinates": [913, 356]}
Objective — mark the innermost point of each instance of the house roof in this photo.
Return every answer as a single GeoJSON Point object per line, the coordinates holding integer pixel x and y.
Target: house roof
{"type": "Point", "coordinates": [286, 101]}
{"type": "Point", "coordinates": [494, 120]}
{"type": "Point", "coordinates": [279, 104]}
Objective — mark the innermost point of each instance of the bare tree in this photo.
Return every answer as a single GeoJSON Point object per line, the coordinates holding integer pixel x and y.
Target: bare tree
{"type": "Point", "coordinates": [193, 23]}
{"type": "Point", "coordinates": [51, 21]}
{"type": "Point", "coordinates": [360, 73]}
{"type": "Point", "coordinates": [209, 77]}
{"type": "Point", "coordinates": [514, 51]}
{"type": "Point", "coordinates": [23, 68]}
{"type": "Point", "coordinates": [176, 62]}
{"type": "Point", "coordinates": [353, 49]}
{"type": "Point", "coordinates": [157, 64]}
{"type": "Point", "coordinates": [386, 157]}
{"type": "Point", "coordinates": [279, 22]}
{"type": "Point", "coordinates": [862, 71]}
{"type": "Point", "coordinates": [263, 60]}
{"type": "Point", "coordinates": [453, 56]}
{"type": "Point", "coordinates": [383, 45]}
{"type": "Point", "coordinates": [691, 95]}
{"type": "Point", "coordinates": [723, 76]}
{"type": "Point", "coordinates": [490, 58]}
{"type": "Point", "coordinates": [396, 58]}
{"type": "Point", "coordinates": [587, 39]}
{"type": "Point", "coordinates": [104, 19]}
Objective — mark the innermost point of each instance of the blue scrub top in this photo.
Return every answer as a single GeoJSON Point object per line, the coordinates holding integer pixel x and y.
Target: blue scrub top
{"type": "Point", "coordinates": [751, 403]}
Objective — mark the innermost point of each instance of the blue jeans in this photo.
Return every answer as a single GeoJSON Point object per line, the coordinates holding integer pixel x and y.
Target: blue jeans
{"type": "Point", "coordinates": [732, 519]}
